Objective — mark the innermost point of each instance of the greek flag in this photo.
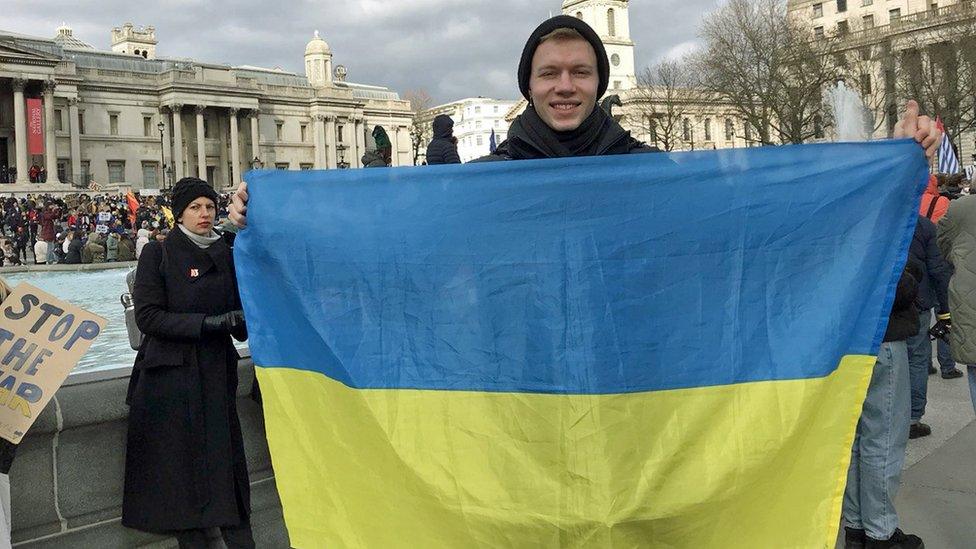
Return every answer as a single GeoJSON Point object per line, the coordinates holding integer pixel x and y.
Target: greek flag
{"type": "Point", "coordinates": [948, 163]}
{"type": "Point", "coordinates": [492, 143]}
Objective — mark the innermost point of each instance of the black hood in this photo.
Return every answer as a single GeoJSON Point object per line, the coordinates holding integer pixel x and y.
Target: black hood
{"type": "Point", "coordinates": [443, 126]}
{"type": "Point", "coordinates": [563, 22]}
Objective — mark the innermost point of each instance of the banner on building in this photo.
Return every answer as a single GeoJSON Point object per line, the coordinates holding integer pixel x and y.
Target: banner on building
{"type": "Point", "coordinates": [35, 126]}
{"type": "Point", "coordinates": [664, 349]}
{"type": "Point", "coordinates": [41, 339]}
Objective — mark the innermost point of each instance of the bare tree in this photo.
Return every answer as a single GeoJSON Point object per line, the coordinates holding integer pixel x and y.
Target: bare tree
{"type": "Point", "coordinates": [668, 94]}
{"type": "Point", "coordinates": [938, 69]}
{"type": "Point", "coordinates": [420, 129]}
{"type": "Point", "coordinates": [768, 67]}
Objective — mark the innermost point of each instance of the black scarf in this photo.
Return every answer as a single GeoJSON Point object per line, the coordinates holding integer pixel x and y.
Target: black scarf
{"type": "Point", "coordinates": [530, 137]}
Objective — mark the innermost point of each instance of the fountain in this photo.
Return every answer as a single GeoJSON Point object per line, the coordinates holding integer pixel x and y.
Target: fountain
{"type": "Point", "coordinates": [850, 114]}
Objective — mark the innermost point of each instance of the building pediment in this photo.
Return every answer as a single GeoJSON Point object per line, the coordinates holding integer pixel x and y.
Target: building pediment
{"type": "Point", "coordinates": [16, 54]}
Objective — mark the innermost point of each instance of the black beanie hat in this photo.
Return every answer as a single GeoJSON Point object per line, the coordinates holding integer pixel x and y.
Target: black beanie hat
{"type": "Point", "coordinates": [563, 22]}
{"type": "Point", "coordinates": [189, 189]}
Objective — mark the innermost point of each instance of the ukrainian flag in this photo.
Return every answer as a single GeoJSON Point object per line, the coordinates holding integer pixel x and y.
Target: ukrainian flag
{"type": "Point", "coordinates": [661, 350]}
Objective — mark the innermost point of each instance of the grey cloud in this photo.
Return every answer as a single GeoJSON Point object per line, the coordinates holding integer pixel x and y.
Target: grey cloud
{"type": "Point", "coordinates": [451, 48]}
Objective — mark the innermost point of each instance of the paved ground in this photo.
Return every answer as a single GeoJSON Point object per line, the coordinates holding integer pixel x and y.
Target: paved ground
{"type": "Point", "coordinates": [937, 500]}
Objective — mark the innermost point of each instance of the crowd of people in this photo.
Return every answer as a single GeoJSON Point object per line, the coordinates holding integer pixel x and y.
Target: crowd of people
{"type": "Point", "coordinates": [81, 228]}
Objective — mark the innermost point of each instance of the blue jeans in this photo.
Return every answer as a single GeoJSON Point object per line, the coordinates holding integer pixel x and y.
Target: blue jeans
{"type": "Point", "coordinates": [972, 385]}
{"type": "Point", "coordinates": [919, 358]}
{"type": "Point", "coordinates": [51, 258]}
{"type": "Point", "coordinates": [879, 446]}
{"type": "Point", "coordinates": [945, 357]}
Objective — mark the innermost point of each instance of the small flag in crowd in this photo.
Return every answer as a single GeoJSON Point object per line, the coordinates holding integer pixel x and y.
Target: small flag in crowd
{"type": "Point", "coordinates": [948, 163]}
{"type": "Point", "coordinates": [492, 143]}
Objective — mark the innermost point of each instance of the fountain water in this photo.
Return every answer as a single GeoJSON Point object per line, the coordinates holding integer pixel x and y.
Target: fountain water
{"type": "Point", "coordinates": [850, 114]}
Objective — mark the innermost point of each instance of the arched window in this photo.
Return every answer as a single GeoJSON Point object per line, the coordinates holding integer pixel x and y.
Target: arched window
{"type": "Point", "coordinates": [686, 129]}
{"type": "Point", "coordinates": [729, 129]}
{"type": "Point", "coordinates": [611, 23]}
{"type": "Point", "coordinates": [708, 129]}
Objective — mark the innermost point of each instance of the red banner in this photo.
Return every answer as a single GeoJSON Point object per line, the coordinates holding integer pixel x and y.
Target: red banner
{"type": "Point", "coordinates": [35, 127]}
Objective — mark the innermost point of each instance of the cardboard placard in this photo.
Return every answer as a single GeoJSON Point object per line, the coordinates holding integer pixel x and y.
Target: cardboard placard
{"type": "Point", "coordinates": [42, 338]}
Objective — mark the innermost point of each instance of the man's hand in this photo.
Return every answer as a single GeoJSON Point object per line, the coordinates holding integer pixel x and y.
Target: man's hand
{"type": "Point", "coordinates": [920, 128]}
{"type": "Point", "coordinates": [942, 328]}
{"type": "Point", "coordinates": [238, 206]}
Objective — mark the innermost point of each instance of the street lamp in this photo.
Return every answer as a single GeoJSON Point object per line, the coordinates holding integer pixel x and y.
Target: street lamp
{"type": "Point", "coordinates": [342, 164]}
{"type": "Point", "coordinates": [162, 151]}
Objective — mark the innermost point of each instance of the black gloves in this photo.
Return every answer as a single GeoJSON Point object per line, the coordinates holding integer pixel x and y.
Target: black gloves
{"type": "Point", "coordinates": [942, 328]}
{"type": "Point", "coordinates": [223, 324]}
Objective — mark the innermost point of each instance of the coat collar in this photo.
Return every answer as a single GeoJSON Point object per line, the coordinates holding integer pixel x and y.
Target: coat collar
{"type": "Point", "coordinates": [191, 260]}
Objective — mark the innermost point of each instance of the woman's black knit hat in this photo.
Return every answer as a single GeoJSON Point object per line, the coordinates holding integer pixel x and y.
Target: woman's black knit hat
{"type": "Point", "coordinates": [563, 22]}
{"type": "Point", "coordinates": [189, 189]}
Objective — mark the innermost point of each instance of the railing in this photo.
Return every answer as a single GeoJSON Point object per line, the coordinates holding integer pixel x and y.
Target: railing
{"type": "Point", "coordinates": [915, 21]}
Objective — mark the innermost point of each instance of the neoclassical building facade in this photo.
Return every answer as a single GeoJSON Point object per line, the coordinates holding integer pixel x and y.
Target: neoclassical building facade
{"type": "Point", "coordinates": [126, 118]}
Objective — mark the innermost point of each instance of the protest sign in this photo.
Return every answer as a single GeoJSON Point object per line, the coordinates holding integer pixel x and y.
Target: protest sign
{"type": "Point", "coordinates": [41, 340]}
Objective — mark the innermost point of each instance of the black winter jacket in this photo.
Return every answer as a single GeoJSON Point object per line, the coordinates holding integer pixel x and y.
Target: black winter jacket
{"type": "Point", "coordinates": [442, 149]}
{"type": "Point", "coordinates": [903, 320]}
{"type": "Point", "coordinates": [933, 289]}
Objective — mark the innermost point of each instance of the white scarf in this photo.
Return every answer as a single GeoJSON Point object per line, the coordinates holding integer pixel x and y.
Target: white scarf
{"type": "Point", "coordinates": [203, 241]}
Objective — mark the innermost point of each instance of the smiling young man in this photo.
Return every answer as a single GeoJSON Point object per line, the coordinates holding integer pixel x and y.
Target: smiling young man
{"type": "Point", "coordinates": [563, 73]}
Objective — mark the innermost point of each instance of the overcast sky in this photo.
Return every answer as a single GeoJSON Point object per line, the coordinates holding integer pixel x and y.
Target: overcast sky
{"type": "Point", "coordinates": [451, 48]}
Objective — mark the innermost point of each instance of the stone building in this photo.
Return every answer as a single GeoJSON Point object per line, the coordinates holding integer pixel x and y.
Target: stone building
{"type": "Point", "coordinates": [129, 118]}
{"type": "Point", "coordinates": [878, 36]}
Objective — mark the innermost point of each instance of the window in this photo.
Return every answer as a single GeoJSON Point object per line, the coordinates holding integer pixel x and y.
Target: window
{"type": "Point", "coordinates": [85, 172]}
{"type": "Point", "coordinates": [477, 110]}
{"type": "Point", "coordinates": [867, 21]}
{"type": "Point", "coordinates": [481, 140]}
{"type": "Point", "coordinates": [652, 126]}
{"type": "Point", "coordinates": [611, 23]}
{"type": "Point", "coordinates": [496, 109]}
{"type": "Point", "coordinates": [305, 167]}
{"type": "Point", "coordinates": [748, 132]}
{"type": "Point", "coordinates": [708, 129]}
{"type": "Point", "coordinates": [935, 6]}
{"type": "Point", "coordinates": [818, 32]}
{"type": "Point", "coordinates": [206, 128]}
{"type": "Point", "coordinates": [615, 60]}
{"type": "Point", "coordinates": [339, 131]}
{"type": "Point", "coordinates": [477, 125]}
{"type": "Point", "coordinates": [58, 122]}
{"type": "Point", "coordinates": [280, 131]}
{"type": "Point", "coordinates": [865, 53]}
{"type": "Point", "coordinates": [616, 84]}
{"type": "Point", "coordinates": [842, 28]}
{"type": "Point", "coordinates": [149, 179]}
{"type": "Point", "coordinates": [729, 129]}
{"type": "Point", "coordinates": [841, 6]}
{"type": "Point", "coordinates": [686, 129]}
{"type": "Point", "coordinates": [113, 124]}
{"type": "Point", "coordinates": [817, 10]}
{"type": "Point", "coordinates": [81, 122]}
{"type": "Point", "coordinates": [304, 128]}
{"type": "Point", "coordinates": [116, 171]}
{"type": "Point", "coordinates": [147, 129]}
{"type": "Point", "coordinates": [818, 132]}
{"type": "Point", "coordinates": [866, 84]}
{"type": "Point", "coordinates": [281, 165]}
{"type": "Point", "coordinates": [63, 170]}
{"type": "Point", "coordinates": [894, 14]}
{"type": "Point", "coordinates": [867, 2]}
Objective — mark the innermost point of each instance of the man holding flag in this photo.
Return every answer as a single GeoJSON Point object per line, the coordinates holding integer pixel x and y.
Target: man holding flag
{"type": "Point", "coordinates": [563, 71]}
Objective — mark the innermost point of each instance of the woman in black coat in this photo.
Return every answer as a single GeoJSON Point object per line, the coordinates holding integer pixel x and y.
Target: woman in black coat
{"type": "Point", "coordinates": [185, 470]}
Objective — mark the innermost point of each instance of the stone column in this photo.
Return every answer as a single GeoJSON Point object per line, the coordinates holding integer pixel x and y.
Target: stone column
{"type": "Point", "coordinates": [20, 131]}
{"type": "Point", "coordinates": [178, 172]}
{"type": "Point", "coordinates": [75, 142]}
{"type": "Point", "coordinates": [255, 136]}
{"type": "Point", "coordinates": [318, 122]}
{"type": "Point", "coordinates": [201, 145]}
{"type": "Point", "coordinates": [395, 140]}
{"type": "Point", "coordinates": [235, 149]}
{"type": "Point", "coordinates": [360, 141]}
{"type": "Point", "coordinates": [164, 118]}
{"type": "Point", "coordinates": [50, 133]}
{"type": "Point", "coordinates": [330, 141]}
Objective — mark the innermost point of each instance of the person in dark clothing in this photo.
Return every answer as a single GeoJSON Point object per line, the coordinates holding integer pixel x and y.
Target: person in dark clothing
{"type": "Point", "coordinates": [21, 241]}
{"type": "Point", "coordinates": [185, 469]}
{"type": "Point", "coordinates": [443, 148]}
{"type": "Point", "coordinates": [878, 453]}
{"type": "Point", "coordinates": [933, 293]}
{"type": "Point", "coordinates": [384, 147]}
{"type": "Point", "coordinates": [73, 255]}
{"type": "Point", "coordinates": [373, 159]}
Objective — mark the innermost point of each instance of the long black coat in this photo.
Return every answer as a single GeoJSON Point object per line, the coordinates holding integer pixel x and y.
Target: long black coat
{"type": "Point", "coordinates": [184, 466]}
